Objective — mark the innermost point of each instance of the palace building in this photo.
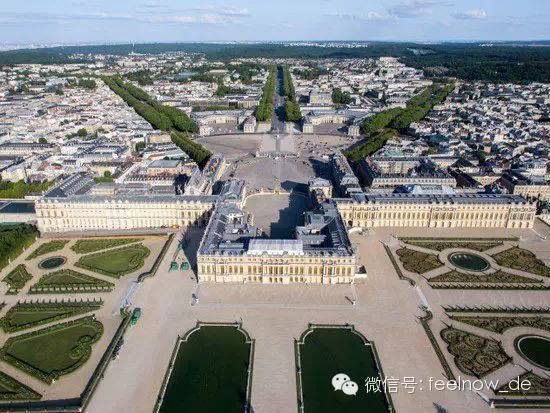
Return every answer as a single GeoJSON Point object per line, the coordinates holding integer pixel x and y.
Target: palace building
{"type": "Point", "coordinates": [436, 211]}
{"type": "Point", "coordinates": [232, 251]}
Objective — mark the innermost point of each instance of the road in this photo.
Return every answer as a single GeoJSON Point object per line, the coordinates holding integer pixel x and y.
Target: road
{"type": "Point", "coordinates": [278, 118]}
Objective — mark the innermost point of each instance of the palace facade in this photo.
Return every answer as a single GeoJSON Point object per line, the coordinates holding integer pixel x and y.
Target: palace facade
{"type": "Point", "coordinates": [102, 213]}
{"type": "Point", "coordinates": [437, 211]}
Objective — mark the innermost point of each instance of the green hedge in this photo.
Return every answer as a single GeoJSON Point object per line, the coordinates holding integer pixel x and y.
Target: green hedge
{"type": "Point", "coordinates": [68, 281]}
{"type": "Point", "coordinates": [31, 314]}
{"type": "Point", "coordinates": [17, 279]}
{"type": "Point", "coordinates": [160, 116]}
{"type": "Point", "coordinates": [11, 389]}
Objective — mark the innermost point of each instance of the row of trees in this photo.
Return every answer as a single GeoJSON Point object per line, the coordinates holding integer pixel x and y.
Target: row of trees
{"type": "Point", "coordinates": [196, 151]}
{"type": "Point", "coordinates": [13, 239]}
{"type": "Point", "coordinates": [264, 111]}
{"type": "Point", "coordinates": [292, 108]}
{"type": "Point", "coordinates": [162, 117]}
{"type": "Point", "coordinates": [385, 125]}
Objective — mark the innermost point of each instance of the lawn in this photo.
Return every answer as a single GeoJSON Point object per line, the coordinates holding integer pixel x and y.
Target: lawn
{"type": "Point", "coordinates": [67, 281]}
{"type": "Point", "coordinates": [418, 262]}
{"type": "Point", "coordinates": [86, 246]}
{"type": "Point", "coordinates": [523, 260]}
{"type": "Point", "coordinates": [17, 279]}
{"type": "Point", "coordinates": [210, 373]}
{"type": "Point", "coordinates": [11, 389]}
{"type": "Point", "coordinates": [52, 352]}
{"type": "Point", "coordinates": [117, 262]}
{"type": "Point", "coordinates": [48, 247]}
{"type": "Point", "coordinates": [25, 315]}
{"type": "Point", "coordinates": [326, 352]}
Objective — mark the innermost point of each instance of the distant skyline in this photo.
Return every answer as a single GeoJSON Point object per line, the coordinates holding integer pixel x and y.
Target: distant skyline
{"type": "Point", "coordinates": [102, 21]}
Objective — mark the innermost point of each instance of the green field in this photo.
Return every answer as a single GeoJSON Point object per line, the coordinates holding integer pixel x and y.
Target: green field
{"type": "Point", "coordinates": [117, 262]}
{"type": "Point", "coordinates": [48, 247]}
{"type": "Point", "coordinates": [67, 281]}
{"type": "Point", "coordinates": [63, 348]}
{"type": "Point", "coordinates": [86, 246]}
{"type": "Point", "coordinates": [210, 373]}
{"type": "Point", "coordinates": [17, 279]}
{"type": "Point", "coordinates": [28, 314]}
{"type": "Point", "coordinates": [326, 352]}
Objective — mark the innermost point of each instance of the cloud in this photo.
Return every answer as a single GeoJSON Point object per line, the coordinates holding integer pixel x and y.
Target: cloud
{"type": "Point", "coordinates": [370, 16]}
{"type": "Point", "coordinates": [223, 11]}
{"type": "Point", "coordinates": [202, 15]}
{"type": "Point", "coordinates": [474, 14]}
{"type": "Point", "coordinates": [411, 9]}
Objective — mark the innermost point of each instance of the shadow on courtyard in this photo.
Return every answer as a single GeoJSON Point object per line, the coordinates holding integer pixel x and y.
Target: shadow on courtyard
{"type": "Point", "coordinates": [289, 217]}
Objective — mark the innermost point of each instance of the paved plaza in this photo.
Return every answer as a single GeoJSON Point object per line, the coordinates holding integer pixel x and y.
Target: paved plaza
{"type": "Point", "coordinates": [277, 215]}
{"type": "Point", "coordinates": [386, 312]}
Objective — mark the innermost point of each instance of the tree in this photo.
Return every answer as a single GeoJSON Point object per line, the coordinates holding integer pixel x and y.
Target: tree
{"type": "Point", "coordinates": [264, 110]}
{"type": "Point", "coordinates": [13, 239]}
{"type": "Point", "coordinates": [42, 140]}
{"type": "Point", "coordinates": [82, 132]}
{"type": "Point", "coordinates": [292, 111]}
{"type": "Point", "coordinates": [340, 98]}
{"type": "Point", "coordinates": [140, 146]}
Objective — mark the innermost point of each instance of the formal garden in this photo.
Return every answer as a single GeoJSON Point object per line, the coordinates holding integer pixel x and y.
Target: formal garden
{"type": "Point", "coordinates": [67, 281]}
{"type": "Point", "coordinates": [515, 337]}
{"type": "Point", "coordinates": [210, 371]}
{"type": "Point", "coordinates": [47, 248]}
{"type": "Point", "coordinates": [484, 341]}
{"type": "Point", "coordinates": [115, 262]}
{"type": "Point", "coordinates": [417, 261]}
{"type": "Point", "coordinates": [331, 357]}
{"type": "Point", "coordinates": [44, 307]}
{"type": "Point", "coordinates": [17, 279]}
{"type": "Point", "coordinates": [471, 263]}
{"type": "Point", "coordinates": [25, 315]}
{"type": "Point", "coordinates": [63, 348]}
{"type": "Point", "coordinates": [11, 389]}
{"type": "Point", "coordinates": [523, 260]}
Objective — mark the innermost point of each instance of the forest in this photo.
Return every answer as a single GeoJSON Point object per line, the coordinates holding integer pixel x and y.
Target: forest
{"type": "Point", "coordinates": [515, 62]}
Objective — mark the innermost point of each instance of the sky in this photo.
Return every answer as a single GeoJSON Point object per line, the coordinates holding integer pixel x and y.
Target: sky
{"type": "Point", "coordinates": [112, 21]}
